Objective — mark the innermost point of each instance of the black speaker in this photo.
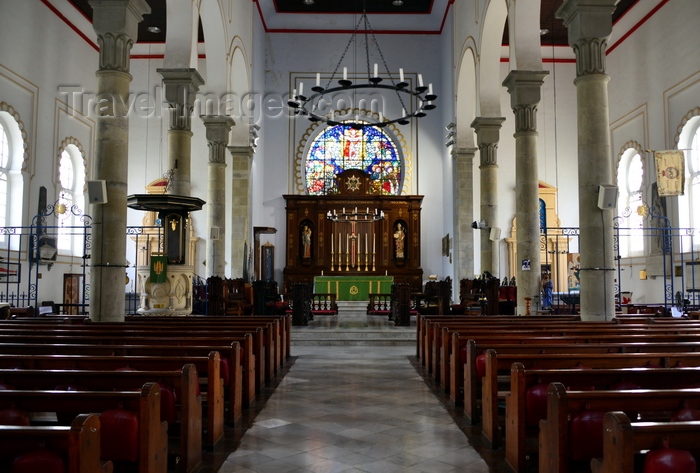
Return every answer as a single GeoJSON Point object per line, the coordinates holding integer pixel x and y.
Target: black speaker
{"type": "Point", "coordinates": [97, 192]}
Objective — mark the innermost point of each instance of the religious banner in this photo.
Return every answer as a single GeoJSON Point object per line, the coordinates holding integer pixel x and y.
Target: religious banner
{"type": "Point", "coordinates": [159, 268]}
{"type": "Point", "coordinates": [670, 172]}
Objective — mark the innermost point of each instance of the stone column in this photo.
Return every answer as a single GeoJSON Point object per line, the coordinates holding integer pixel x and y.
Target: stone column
{"type": "Point", "coordinates": [463, 239]}
{"type": "Point", "coordinates": [524, 88]}
{"type": "Point", "coordinates": [590, 25]}
{"type": "Point", "coordinates": [116, 24]}
{"type": "Point", "coordinates": [218, 129]}
{"type": "Point", "coordinates": [487, 134]}
{"type": "Point", "coordinates": [240, 207]}
{"type": "Point", "coordinates": [180, 89]}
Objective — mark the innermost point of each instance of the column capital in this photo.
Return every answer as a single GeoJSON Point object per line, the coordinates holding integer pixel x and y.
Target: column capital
{"type": "Point", "coordinates": [217, 128]}
{"type": "Point", "coordinates": [180, 87]}
{"type": "Point", "coordinates": [589, 25]}
{"type": "Point", "coordinates": [525, 89]}
{"type": "Point", "coordinates": [488, 130]}
{"type": "Point", "coordinates": [242, 151]}
{"type": "Point", "coordinates": [464, 153]}
{"type": "Point", "coordinates": [116, 24]}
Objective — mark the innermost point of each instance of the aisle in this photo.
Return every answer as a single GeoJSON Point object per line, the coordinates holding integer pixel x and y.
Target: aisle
{"type": "Point", "coordinates": [353, 409]}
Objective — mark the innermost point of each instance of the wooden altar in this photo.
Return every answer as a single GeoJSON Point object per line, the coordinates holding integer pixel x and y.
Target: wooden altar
{"type": "Point", "coordinates": [344, 234]}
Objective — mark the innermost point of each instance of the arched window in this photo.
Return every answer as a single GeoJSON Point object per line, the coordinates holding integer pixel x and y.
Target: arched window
{"type": "Point", "coordinates": [630, 180]}
{"type": "Point", "coordinates": [342, 147]}
{"type": "Point", "coordinates": [13, 144]}
{"type": "Point", "coordinates": [71, 174]}
{"type": "Point", "coordinates": [4, 162]}
{"type": "Point", "coordinates": [689, 203]}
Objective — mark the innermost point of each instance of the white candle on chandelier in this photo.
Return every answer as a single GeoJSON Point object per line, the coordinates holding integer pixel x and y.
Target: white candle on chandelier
{"type": "Point", "coordinates": [401, 74]}
{"type": "Point", "coordinates": [345, 73]}
{"type": "Point", "coordinates": [301, 88]}
{"type": "Point", "coordinates": [318, 79]}
{"type": "Point", "coordinates": [430, 89]}
{"type": "Point", "coordinates": [403, 112]}
{"type": "Point", "coordinates": [376, 70]}
{"type": "Point", "coordinates": [294, 93]}
{"type": "Point", "coordinates": [420, 80]}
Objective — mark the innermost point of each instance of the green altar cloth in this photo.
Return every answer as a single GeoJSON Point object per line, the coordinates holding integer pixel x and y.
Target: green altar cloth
{"type": "Point", "coordinates": [353, 288]}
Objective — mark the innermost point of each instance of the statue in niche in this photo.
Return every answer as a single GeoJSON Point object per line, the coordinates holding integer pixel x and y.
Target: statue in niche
{"type": "Point", "coordinates": [399, 239]}
{"type": "Point", "coordinates": [306, 241]}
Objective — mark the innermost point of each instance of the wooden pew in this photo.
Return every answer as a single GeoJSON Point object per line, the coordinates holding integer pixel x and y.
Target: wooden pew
{"type": "Point", "coordinates": [424, 327]}
{"type": "Point", "coordinates": [443, 342]}
{"type": "Point", "coordinates": [209, 365]}
{"type": "Point", "coordinates": [468, 376]}
{"type": "Point", "coordinates": [166, 334]}
{"type": "Point", "coordinates": [187, 410]}
{"type": "Point", "coordinates": [284, 323]}
{"type": "Point", "coordinates": [623, 439]}
{"type": "Point", "coordinates": [78, 444]}
{"type": "Point", "coordinates": [237, 357]}
{"type": "Point", "coordinates": [463, 374]}
{"type": "Point", "coordinates": [150, 454]}
{"type": "Point", "coordinates": [524, 407]}
{"type": "Point", "coordinates": [494, 363]}
{"type": "Point", "coordinates": [554, 440]}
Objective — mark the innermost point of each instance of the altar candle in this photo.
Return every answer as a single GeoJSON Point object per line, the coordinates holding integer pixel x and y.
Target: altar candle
{"type": "Point", "coordinates": [366, 245]}
{"type": "Point", "coordinates": [374, 243]}
{"type": "Point", "coordinates": [331, 244]}
{"type": "Point", "coordinates": [340, 246]}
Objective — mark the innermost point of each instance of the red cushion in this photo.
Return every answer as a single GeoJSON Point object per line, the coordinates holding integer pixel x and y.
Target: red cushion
{"type": "Point", "coordinates": [39, 461]}
{"type": "Point", "coordinates": [463, 355]}
{"type": "Point", "coordinates": [13, 416]}
{"type": "Point", "coordinates": [167, 404]}
{"type": "Point", "coordinates": [586, 435]}
{"type": "Point", "coordinates": [480, 366]}
{"type": "Point", "coordinates": [669, 460]}
{"type": "Point", "coordinates": [119, 435]}
{"type": "Point", "coordinates": [535, 404]}
{"type": "Point", "coordinates": [224, 371]}
{"type": "Point", "coordinates": [685, 414]}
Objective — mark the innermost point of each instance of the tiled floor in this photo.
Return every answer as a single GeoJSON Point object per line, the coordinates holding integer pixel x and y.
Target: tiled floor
{"type": "Point", "coordinates": [353, 409]}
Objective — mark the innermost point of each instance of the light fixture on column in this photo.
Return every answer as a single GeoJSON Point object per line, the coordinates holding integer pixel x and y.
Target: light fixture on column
{"type": "Point", "coordinates": [318, 107]}
{"type": "Point", "coordinates": [355, 215]}
{"type": "Point", "coordinates": [452, 137]}
{"type": "Point", "coordinates": [254, 136]}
